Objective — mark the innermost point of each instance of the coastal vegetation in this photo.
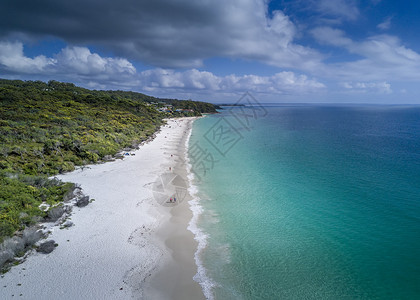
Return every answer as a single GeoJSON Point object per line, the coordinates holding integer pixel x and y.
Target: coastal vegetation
{"type": "Point", "coordinates": [50, 128]}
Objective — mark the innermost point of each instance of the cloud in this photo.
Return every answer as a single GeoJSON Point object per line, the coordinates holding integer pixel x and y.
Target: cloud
{"type": "Point", "coordinates": [73, 63]}
{"type": "Point", "coordinates": [190, 80]}
{"type": "Point", "coordinates": [156, 79]}
{"type": "Point", "coordinates": [330, 36]}
{"type": "Point", "coordinates": [13, 59]}
{"type": "Point", "coordinates": [164, 33]}
{"type": "Point", "coordinates": [80, 60]}
{"type": "Point", "coordinates": [80, 65]}
{"type": "Point", "coordinates": [341, 9]}
{"type": "Point", "coordinates": [386, 24]}
{"type": "Point", "coordinates": [368, 87]}
{"type": "Point", "coordinates": [382, 57]}
{"type": "Point", "coordinates": [322, 11]}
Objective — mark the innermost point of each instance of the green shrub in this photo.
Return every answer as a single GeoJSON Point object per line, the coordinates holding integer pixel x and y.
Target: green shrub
{"type": "Point", "coordinates": [49, 128]}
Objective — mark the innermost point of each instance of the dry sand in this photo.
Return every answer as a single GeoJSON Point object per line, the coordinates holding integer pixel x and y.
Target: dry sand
{"type": "Point", "coordinates": [125, 244]}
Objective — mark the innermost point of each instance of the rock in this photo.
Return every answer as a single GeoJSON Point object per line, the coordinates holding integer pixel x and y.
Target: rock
{"type": "Point", "coordinates": [108, 158]}
{"type": "Point", "coordinates": [5, 256]}
{"type": "Point", "coordinates": [70, 193]}
{"type": "Point", "coordinates": [68, 209]}
{"type": "Point", "coordinates": [68, 223]}
{"type": "Point", "coordinates": [119, 156]}
{"type": "Point", "coordinates": [83, 201]}
{"type": "Point", "coordinates": [36, 219]}
{"type": "Point", "coordinates": [46, 247]}
{"type": "Point", "coordinates": [31, 235]}
{"type": "Point", "coordinates": [55, 213]}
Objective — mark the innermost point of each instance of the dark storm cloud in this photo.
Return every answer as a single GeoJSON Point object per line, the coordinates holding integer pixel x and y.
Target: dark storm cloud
{"type": "Point", "coordinates": [164, 33]}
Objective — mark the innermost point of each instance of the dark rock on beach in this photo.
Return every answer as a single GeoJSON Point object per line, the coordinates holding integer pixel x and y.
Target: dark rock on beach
{"type": "Point", "coordinates": [67, 223]}
{"type": "Point", "coordinates": [108, 158]}
{"type": "Point", "coordinates": [47, 247]}
{"type": "Point", "coordinates": [119, 156]}
{"type": "Point", "coordinates": [31, 235]}
{"type": "Point", "coordinates": [83, 201]}
{"type": "Point", "coordinates": [55, 213]}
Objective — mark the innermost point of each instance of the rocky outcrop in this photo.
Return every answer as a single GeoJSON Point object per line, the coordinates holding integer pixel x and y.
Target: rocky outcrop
{"type": "Point", "coordinates": [83, 201]}
{"type": "Point", "coordinates": [47, 247]}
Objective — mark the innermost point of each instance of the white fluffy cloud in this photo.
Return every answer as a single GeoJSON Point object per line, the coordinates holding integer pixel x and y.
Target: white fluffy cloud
{"type": "Point", "coordinates": [81, 61]}
{"type": "Point", "coordinates": [280, 83]}
{"type": "Point", "coordinates": [71, 63]}
{"type": "Point", "coordinates": [166, 33]}
{"type": "Point", "coordinates": [368, 87]}
{"type": "Point", "coordinates": [12, 59]}
{"type": "Point", "coordinates": [181, 35]}
{"type": "Point", "coordinates": [80, 65]}
{"type": "Point", "coordinates": [382, 57]}
{"type": "Point", "coordinates": [331, 36]}
{"type": "Point", "coordinates": [188, 80]}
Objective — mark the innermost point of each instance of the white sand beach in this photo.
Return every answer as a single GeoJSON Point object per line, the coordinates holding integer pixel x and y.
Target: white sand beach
{"type": "Point", "coordinates": [125, 244]}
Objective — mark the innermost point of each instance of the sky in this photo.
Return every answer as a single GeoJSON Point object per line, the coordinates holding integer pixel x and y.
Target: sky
{"type": "Point", "coordinates": [324, 51]}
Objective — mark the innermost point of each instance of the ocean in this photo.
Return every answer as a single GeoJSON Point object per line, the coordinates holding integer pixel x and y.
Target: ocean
{"type": "Point", "coordinates": [307, 202]}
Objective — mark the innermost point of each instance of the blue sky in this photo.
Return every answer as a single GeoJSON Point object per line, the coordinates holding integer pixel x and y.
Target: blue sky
{"type": "Point", "coordinates": [337, 51]}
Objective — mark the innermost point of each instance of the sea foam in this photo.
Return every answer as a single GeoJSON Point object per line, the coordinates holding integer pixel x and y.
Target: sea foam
{"type": "Point", "coordinates": [199, 235]}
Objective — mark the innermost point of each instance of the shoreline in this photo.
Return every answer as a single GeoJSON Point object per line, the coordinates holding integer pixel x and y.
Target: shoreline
{"type": "Point", "coordinates": [124, 244]}
{"type": "Point", "coordinates": [174, 278]}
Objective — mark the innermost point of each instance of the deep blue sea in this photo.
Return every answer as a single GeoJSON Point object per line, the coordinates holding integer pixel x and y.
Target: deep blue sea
{"type": "Point", "coordinates": [308, 202]}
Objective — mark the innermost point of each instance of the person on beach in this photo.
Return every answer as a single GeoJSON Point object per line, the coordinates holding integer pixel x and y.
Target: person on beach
{"type": "Point", "coordinates": [174, 199]}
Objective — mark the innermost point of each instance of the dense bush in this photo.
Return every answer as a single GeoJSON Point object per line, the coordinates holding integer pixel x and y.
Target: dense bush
{"type": "Point", "coordinates": [49, 128]}
{"type": "Point", "coordinates": [20, 197]}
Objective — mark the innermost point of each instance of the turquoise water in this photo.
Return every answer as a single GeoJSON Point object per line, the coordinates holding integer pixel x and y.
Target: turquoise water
{"type": "Point", "coordinates": [310, 202]}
